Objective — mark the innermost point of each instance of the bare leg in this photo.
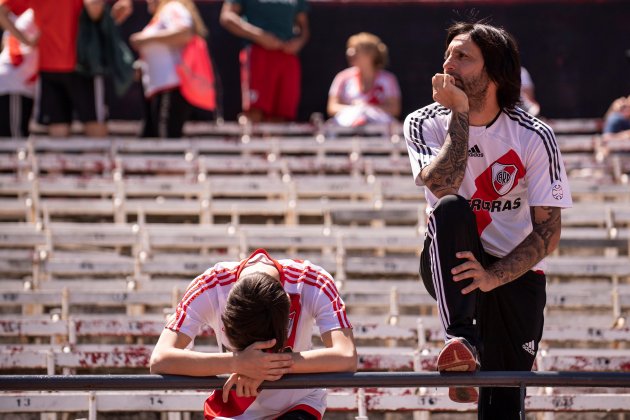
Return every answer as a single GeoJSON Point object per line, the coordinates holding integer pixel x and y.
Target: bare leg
{"type": "Point", "coordinates": [254, 115]}
{"type": "Point", "coordinates": [59, 130]}
{"type": "Point", "coordinates": [96, 129]}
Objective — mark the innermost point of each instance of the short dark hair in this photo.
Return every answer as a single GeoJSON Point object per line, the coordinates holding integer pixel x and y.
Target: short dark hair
{"type": "Point", "coordinates": [500, 56]}
{"type": "Point", "coordinates": [257, 309]}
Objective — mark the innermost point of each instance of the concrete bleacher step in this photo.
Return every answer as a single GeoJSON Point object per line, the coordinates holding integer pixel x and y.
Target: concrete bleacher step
{"type": "Point", "coordinates": [595, 238]}
{"type": "Point", "coordinates": [80, 356]}
{"type": "Point", "coordinates": [576, 125]}
{"type": "Point", "coordinates": [94, 356]}
{"type": "Point", "coordinates": [160, 236]}
{"type": "Point", "coordinates": [339, 400]}
{"type": "Point", "coordinates": [67, 235]}
{"type": "Point", "coordinates": [20, 209]}
{"type": "Point", "coordinates": [93, 263]}
{"type": "Point", "coordinates": [602, 214]}
{"type": "Point", "coordinates": [68, 325]}
{"type": "Point", "coordinates": [65, 299]}
{"type": "Point", "coordinates": [429, 329]}
{"type": "Point", "coordinates": [556, 265]}
{"type": "Point", "coordinates": [210, 165]}
{"type": "Point", "coordinates": [190, 265]}
{"type": "Point", "coordinates": [15, 262]}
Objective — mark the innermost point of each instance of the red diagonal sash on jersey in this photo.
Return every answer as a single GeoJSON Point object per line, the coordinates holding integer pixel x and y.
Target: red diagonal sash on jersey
{"type": "Point", "coordinates": [497, 180]}
{"type": "Point", "coordinates": [215, 407]}
{"type": "Point", "coordinates": [294, 316]}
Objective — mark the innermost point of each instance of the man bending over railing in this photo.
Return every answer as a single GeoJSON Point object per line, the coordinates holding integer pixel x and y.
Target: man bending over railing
{"type": "Point", "coordinates": [262, 311]}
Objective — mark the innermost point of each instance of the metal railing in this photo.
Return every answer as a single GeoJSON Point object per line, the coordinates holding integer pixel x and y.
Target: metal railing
{"type": "Point", "coordinates": [521, 380]}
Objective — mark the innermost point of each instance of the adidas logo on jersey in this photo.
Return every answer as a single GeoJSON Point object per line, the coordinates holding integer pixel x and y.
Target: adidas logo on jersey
{"type": "Point", "coordinates": [475, 151]}
{"type": "Point", "coordinates": [530, 347]}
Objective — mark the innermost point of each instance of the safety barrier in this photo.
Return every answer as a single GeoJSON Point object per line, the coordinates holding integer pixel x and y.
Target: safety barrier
{"type": "Point", "coordinates": [360, 380]}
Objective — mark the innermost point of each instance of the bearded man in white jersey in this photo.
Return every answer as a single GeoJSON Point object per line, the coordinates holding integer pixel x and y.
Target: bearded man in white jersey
{"type": "Point", "coordinates": [262, 311]}
{"type": "Point", "coordinates": [495, 183]}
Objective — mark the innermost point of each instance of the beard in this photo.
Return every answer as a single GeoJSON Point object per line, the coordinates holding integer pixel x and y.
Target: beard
{"type": "Point", "coordinates": [475, 87]}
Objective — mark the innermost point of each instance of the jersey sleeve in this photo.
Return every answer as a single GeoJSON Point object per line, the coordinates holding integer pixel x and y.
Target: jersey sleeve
{"type": "Point", "coordinates": [329, 310]}
{"type": "Point", "coordinates": [547, 182]}
{"type": "Point", "coordinates": [424, 137]}
{"type": "Point", "coordinates": [194, 311]}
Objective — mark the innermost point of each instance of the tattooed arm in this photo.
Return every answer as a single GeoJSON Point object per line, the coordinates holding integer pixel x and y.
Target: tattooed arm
{"type": "Point", "coordinates": [445, 174]}
{"type": "Point", "coordinates": [543, 239]}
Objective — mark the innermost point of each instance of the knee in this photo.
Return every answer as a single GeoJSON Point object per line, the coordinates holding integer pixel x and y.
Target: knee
{"type": "Point", "coordinates": [452, 205]}
{"type": "Point", "coordinates": [453, 210]}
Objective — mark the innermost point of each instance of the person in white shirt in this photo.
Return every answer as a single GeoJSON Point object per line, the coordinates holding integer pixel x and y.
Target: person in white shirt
{"type": "Point", "coordinates": [262, 311]}
{"type": "Point", "coordinates": [160, 45]}
{"type": "Point", "coordinates": [18, 76]}
{"type": "Point", "coordinates": [495, 184]}
{"type": "Point", "coordinates": [365, 92]}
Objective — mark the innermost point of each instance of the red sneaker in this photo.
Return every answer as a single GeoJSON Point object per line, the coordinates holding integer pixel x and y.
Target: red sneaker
{"type": "Point", "coordinates": [458, 355]}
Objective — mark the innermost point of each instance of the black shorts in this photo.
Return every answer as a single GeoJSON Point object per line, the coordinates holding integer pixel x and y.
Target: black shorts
{"type": "Point", "coordinates": [65, 92]}
{"type": "Point", "coordinates": [15, 115]}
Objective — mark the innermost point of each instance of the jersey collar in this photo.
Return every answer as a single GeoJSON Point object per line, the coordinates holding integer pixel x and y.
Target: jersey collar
{"type": "Point", "coordinates": [278, 266]}
{"type": "Point", "coordinates": [494, 119]}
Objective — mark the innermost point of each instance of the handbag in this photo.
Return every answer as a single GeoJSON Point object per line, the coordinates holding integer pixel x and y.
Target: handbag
{"type": "Point", "coordinates": [196, 75]}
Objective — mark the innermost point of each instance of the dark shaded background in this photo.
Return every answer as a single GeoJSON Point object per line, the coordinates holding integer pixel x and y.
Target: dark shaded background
{"type": "Point", "coordinates": [574, 50]}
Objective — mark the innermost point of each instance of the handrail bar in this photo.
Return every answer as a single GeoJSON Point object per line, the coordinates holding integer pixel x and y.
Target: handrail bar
{"type": "Point", "coordinates": [317, 380]}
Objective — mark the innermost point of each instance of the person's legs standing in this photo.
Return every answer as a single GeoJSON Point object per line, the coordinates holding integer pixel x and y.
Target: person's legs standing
{"type": "Point", "coordinates": [6, 129]}
{"type": "Point", "coordinates": [167, 113]}
{"type": "Point", "coordinates": [174, 112]}
{"type": "Point", "coordinates": [54, 106]}
{"type": "Point", "coordinates": [15, 110]}
{"type": "Point", "coordinates": [258, 82]}
{"type": "Point", "coordinates": [148, 129]}
{"type": "Point", "coordinates": [287, 98]}
{"type": "Point", "coordinates": [26, 111]}
{"type": "Point", "coordinates": [88, 97]}
{"type": "Point", "coordinates": [511, 325]}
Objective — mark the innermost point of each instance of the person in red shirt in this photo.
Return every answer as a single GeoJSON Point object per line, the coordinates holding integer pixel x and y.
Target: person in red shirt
{"type": "Point", "coordinates": [61, 89]}
{"type": "Point", "coordinates": [274, 32]}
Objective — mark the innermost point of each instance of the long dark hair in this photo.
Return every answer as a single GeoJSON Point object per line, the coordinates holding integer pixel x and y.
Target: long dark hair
{"type": "Point", "coordinates": [500, 56]}
{"type": "Point", "coordinates": [257, 309]}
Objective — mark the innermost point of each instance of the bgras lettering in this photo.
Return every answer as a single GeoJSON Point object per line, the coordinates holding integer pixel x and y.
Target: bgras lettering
{"type": "Point", "coordinates": [477, 204]}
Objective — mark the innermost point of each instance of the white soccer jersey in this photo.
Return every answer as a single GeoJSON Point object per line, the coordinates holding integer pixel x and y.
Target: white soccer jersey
{"type": "Point", "coordinates": [314, 300]}
{"type": "Point", "coordinates": [18, 62]}
{"type": "Point", "coordinates": [159, 61]}
{"type": "Point", "coordinates": [347, 87]}
{"type": "Point", "coordinates": [513, 164]}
